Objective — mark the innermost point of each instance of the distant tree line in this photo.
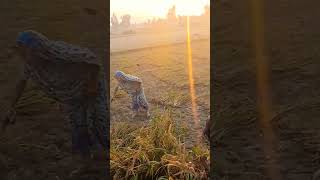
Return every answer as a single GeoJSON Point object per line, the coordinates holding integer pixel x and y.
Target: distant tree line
{"type": "Point", "coordinates": [171, 16]}
{"type": "Point", "coordinates": [125, 20]}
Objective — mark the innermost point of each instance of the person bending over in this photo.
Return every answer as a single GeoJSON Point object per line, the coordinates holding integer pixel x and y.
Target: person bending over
{"type": "Point", "coordinates": [133, 86]}
{"type": "Point", "coordinates": [70, 75]}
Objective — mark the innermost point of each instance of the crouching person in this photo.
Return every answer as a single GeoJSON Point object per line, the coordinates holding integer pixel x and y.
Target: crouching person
{"type": "Point", "coordinates": [70, 75]}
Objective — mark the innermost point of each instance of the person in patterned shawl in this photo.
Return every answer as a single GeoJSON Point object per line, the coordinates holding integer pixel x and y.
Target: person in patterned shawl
{"type": "Point", "coordinates": [133, 86]}
{"type": "Point", "coordinates": [70, 75]}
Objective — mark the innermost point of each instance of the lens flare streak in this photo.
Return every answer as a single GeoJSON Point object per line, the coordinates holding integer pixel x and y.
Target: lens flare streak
{"type": "Point", "coordinates": [264, 103]}
{"type": "Point", "coordinates": [191, 80]}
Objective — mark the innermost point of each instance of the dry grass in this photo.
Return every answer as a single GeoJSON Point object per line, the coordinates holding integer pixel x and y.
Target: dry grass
{"type": "Point", "coordinates": [155, 151]}
{"type": "Point", "coordinates": [167, 147]}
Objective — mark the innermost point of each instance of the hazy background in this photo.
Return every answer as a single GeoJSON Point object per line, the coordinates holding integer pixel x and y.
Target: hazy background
{"type": "Point", "coordinates": [142, 10]}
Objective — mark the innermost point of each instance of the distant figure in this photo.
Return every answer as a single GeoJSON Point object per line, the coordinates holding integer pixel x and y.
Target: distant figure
{"type": "Point", "coordinates": [70, 75]}
{"type": "Point", "coordinates": [133, 86]}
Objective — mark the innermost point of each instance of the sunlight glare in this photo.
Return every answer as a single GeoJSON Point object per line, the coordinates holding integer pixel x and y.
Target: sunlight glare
{"type": "Point", "coordinates": [141, 10]}
{"type": "Point", "coordinates": [191, 81]}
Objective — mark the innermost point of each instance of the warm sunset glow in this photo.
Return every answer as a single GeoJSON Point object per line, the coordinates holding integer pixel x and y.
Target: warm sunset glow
{"type": "Point", "coordinates": [191, 80]}
{"type": "Point", "coordinates": [141, 10]}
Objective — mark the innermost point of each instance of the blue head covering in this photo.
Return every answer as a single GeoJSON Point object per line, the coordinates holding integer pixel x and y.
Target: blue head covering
{"type": "Point", "coordinates": [119, 74]}
{"type": "Point", "coordinates": [57, 51]}
{"type": "Point", "coordinates": [127, 77]}
{"type": "Point", "coordinates": [31, 39]}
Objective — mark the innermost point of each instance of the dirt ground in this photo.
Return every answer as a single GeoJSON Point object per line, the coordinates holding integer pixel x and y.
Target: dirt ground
{"type": "Point", "coordinates": [292, 41]}
{"type": "Point", "coordinates": [38, 146]}
{"type": "Point", "coordinates": [164, 72]}
{"type": "Point", "coordinates": [145, 37]}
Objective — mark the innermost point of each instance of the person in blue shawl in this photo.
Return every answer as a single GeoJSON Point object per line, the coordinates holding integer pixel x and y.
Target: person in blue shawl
{"type": "Point", "coordinates": [72, 76]}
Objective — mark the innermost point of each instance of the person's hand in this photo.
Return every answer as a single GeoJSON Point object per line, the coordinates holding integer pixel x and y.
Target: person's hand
{"type": "Point", "coordinates": [9, 118]}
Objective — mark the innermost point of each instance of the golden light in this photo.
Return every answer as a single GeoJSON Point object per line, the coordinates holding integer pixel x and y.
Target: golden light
{"type": "Point", "coordinates": [142, 10]}
{"type": "Point", "coordinates": [191, 80]}
{"type": "Point", "coordinates": [264, 103]}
